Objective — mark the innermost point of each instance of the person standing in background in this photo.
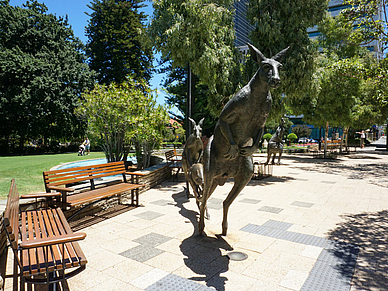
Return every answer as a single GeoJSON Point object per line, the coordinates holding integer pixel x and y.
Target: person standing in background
{"type": "Point", "coordinates": [87, 145]}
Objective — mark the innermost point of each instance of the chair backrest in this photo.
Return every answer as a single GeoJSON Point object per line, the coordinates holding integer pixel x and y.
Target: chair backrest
{"type": "Point", "coordinates": [169, 155]}
{"type": "Point", "coordinates": [11, 215]}
{"type": "Point", "coordinates": [80, 174]}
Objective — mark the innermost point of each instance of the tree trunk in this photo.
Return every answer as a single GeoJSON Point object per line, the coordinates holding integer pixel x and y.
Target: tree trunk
{"type": "Point", "coordinates": [326, 136]}
{"type": "Point", "coordinates": [345, 138]}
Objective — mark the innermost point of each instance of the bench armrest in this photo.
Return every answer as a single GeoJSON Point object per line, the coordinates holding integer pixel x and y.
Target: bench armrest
{"type": "Point", "coordinates": [40, 195]}
{"type": "Point", "coordinates": [52, 240]}
{"type": "Point", "coordinates": [60, 189]}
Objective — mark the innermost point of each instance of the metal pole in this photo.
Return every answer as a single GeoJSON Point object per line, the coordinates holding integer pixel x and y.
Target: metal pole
{"type": "Point", "coordinates": [188, 103]}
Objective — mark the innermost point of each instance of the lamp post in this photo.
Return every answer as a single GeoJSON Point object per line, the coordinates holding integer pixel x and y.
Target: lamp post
{"type": "Point", "coordinates": [188, 103]}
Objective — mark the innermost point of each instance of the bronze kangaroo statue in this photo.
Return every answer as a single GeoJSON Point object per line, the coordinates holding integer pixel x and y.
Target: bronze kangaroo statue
{"type": "Point", "coordinates": [238, 131]}
{"type": "Point", "coordinates": [192, 154]}
{"type": "Point", "coordinates": [275, 144]}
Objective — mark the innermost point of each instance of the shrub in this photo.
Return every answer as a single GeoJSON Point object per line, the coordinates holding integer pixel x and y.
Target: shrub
{"type": "Point", "coordinates": [292, 137]}
{"type": "Point", "coordinates": [267, 136]}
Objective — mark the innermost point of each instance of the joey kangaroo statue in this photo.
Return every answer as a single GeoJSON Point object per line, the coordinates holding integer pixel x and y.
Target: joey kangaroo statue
{"type": "Point", "coordinates": [192, 154]}
{"type": "Point", "coordinates": [238, 131]}
{"type": "Point", "coordinates": [275, 144]}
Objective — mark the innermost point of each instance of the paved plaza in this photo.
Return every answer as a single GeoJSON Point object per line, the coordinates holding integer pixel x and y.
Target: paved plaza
{"type": "Point", "coordinates": [314, 225]}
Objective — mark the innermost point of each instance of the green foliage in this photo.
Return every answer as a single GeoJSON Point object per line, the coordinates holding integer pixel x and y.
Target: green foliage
{"type": "Point", "coordinates": [200, 33]}
{"type": "Point", "coordinates": [335, 37]}
{"type": "Point", "coordinates": [117, 45]}
{"type": "Point", "coordinates": [42, 74]}
{"type": "Point", "coordinates": [349, 88]}
{"type": "Point", "coordinates": [362, 15]}
{"type": "Point", "coordinates": [125, 114]}
{"type": "Point", "coordinates": [282, 23]}
{"type": "Point", "coordinates": [27, 170]}
{"type": "Point", "coordinates": [301, 130]}
{"type": "Point", "coordinates": [176, 86]}
{"type": "Point", "coordinates": [292, 137]}
{"type": "Point", "coordinates": [267, 136]}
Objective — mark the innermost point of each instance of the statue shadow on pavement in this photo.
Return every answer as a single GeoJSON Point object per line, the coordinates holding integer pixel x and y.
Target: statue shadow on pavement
{"type": "Point", "coordinates": [203, 253]}
{"type": "Point", "coordinates": [368, 232]}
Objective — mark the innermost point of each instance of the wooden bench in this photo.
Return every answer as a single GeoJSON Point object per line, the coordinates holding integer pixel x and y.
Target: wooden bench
{"type": "Point", "coordinates": [90, 186]}
{"type": "Point", "coordinates": [44, 245]}
{"type": "Point", "coordinates": [174, 161]}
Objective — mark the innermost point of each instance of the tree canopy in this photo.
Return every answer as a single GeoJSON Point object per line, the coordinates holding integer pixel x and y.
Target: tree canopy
{"type": "Point", "coordinates": [348, 86]}
{"type": "Point", "coordinates": [176, 87]}
{"type": "Point", "coordinates": [125, 114]}
{"type": "Point", "coordinates": [42, 73]}
{"type": "Point", "coordinates": [369, 17]}
{"type": "Point", "coordinates": [199, 33]}
{"type": "Point", "coordinates": [117, 44]}
{"type": "Point", "coordinates": [279, 24]}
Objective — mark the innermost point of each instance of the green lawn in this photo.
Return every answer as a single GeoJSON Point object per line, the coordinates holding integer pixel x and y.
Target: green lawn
{"type": "Point", "coordinates": [28, 170]}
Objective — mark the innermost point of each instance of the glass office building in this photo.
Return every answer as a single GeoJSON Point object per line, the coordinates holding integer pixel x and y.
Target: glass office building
{"type": "Point", "coordinates": [242, 25]}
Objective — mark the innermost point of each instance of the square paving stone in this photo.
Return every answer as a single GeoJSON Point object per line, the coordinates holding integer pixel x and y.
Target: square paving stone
{"type": "Point", "coordinates": [142, 253]}
{"type": "Point", "coordinates": [149, 215]}
{"type": "Point", "coordinates": [215, 203]}
{"type": "Point", "coordinates": [173, 282]}
{"type": "Point", "coordinates": [302, 204]}
{"type": "Point", "coordinates": [250, 201]}
{"type": "Point", "coordinates": [152, 239]}
{"type": "Point", "coordinates": [162, 202]}
{"type": "Point", "coordinates": [271, 209]}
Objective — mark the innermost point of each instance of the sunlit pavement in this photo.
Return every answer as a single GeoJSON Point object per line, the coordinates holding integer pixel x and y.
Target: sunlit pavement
{"type": "Point", "coordinates": [314, 225]}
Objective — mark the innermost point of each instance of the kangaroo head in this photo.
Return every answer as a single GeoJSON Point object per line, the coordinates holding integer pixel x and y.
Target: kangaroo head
{"type": "Point", "coordinates": [197, 129]}
{"type": "Point", "coordinates": [269, 67]}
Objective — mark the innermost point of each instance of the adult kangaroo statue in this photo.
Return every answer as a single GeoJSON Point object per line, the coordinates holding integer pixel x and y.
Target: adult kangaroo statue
{"type": "Point", "coordinates": [237, 134]}
{"type": "Point", "coordinates": [275, 144]}
{"type": "Point", "coordinates": [192, 154]}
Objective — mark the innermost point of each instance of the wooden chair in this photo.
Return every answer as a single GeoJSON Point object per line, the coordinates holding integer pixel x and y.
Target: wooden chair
{"type": "Point", "coordinates": [174, 162]}
{"type": "Point", "coordinates": [45, 248]}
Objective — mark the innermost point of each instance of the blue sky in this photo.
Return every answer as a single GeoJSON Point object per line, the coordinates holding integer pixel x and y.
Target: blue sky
{"type": "Point", "coordinates": [76, 11]}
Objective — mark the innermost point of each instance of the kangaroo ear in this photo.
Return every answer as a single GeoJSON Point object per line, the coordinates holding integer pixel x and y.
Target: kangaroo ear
{"type": "Point", "coordinates": [192, 121]}
{"type": "Point", "coordinates": [280, 55]}
{"type": "Point", "coordinates": [201, 122]}
{"type": "Point", "coordinates": [256, 55]}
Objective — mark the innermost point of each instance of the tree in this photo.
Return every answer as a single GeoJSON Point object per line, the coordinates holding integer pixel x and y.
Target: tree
{"type": "Point", "coordinates": [117, 44]}
{"type": "Point", "coordinates": [345, 86]}
{"type": "Point", "coordinates": [301, 130]}
{"type": "Point", "coordinates": [176, 87]}
{"type": "Point", "coordinates": [369, 17]}
{"type": "Point", "coordinates": [42, 74]}
{"type": "Point", "coordinates": [125, 114]}
{"type": "Point", "coordinates": [282, 23]}
{"type": "Point", "coordinates": [201, 34]}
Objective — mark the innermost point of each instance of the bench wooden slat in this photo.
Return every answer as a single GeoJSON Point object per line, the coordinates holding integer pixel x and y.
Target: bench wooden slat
{"type": "Point", "coordinates": [83, 168]}
{"type": "Point", "coordinates": [68, 246]}
{"type": "Point", "coordinates": [32, 266]}
{"type": "Point", "coordinates": [82, 175]}
{"type": "Point", "coordinates": [25, 253]}
{"type": "Point", "coordinates": [77, 249]}
{"type": "Point", "coordinates": [101, 193]}
{"type": "Point", "coordinates": [38, 234]}
{"type": "Point", "coordinates": [50, 233]}
{"type": "Point", "coordinates": [44, 235]}
{"type": "Point", "coordinates": [62, 252]}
